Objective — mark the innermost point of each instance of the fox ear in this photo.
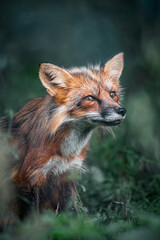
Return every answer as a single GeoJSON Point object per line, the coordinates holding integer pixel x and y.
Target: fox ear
{"type": "Point", "coordinates": [52, 76]}
{"type": "Point", "coordinates": [113, 68]}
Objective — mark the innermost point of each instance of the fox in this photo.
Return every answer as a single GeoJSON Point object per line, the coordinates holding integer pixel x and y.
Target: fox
{"type": "Point", "coordinates": [52, 133]}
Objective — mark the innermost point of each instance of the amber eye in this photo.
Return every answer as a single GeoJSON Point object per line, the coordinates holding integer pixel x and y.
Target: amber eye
{"type": "Point", "coordinates": [112, 94]}
{"type": "Point", "coordinates": [89, 98]}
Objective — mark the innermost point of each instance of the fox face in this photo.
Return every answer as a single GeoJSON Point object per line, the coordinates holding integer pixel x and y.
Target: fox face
{"type": "Point", "coordinates": [90, 95]}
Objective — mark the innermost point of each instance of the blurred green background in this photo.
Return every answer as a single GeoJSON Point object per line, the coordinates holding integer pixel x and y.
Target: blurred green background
{"type": "Point", "coordinates": [121, 190]}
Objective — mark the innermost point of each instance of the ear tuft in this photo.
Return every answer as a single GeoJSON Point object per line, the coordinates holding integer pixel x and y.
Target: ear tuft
{"type": "Point", "coordinates": [114, 66]}
{"type": "Point", "coordinates": [52, 76]}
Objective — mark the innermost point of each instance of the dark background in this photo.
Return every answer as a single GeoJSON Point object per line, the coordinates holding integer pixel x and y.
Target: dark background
{"type": "Point", "coordinates": [75, 33]}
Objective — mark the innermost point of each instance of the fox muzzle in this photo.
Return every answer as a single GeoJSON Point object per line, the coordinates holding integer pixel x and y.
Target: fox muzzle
{"type": "Point", "coordinates": [112, 113]}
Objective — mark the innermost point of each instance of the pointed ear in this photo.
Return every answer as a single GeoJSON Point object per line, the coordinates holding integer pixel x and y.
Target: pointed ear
{"type": "Point", "coordinates": [52, 76]}
{"type": "Point", "coordinates": [114, 66]}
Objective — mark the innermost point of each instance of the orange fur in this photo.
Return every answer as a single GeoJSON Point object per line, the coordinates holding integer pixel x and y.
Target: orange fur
{"type": "Point", "coordinates": [52, 133]}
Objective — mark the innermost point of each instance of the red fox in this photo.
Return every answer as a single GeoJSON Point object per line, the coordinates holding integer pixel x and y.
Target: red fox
{"type": "Point", "coordinates": [52, 133]}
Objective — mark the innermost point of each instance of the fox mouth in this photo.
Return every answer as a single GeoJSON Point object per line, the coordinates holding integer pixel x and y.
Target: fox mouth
{"type": "Point", "coordinates": [107, 123]}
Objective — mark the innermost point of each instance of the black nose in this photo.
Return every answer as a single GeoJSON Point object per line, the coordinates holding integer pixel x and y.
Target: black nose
{"type": "Point", "coordinates": [122, 111]}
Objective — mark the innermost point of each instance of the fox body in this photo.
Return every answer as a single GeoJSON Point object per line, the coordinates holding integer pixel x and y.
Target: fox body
{"type": "Point", "coordinates": [52, 133]}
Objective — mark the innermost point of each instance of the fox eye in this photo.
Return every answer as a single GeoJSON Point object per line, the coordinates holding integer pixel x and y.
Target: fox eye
{"type": "Point", "coordinates": [89, 98]}
{"type": "Point", "coordinates": [112, 94]}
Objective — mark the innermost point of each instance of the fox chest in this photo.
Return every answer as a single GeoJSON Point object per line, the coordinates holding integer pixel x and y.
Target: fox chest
{"type": "Point", "coordinates": [74, 143]}
{"type": "Point", "coordinates": [73, 149]}
{"type": "Point", "coordinates": [58, 166]}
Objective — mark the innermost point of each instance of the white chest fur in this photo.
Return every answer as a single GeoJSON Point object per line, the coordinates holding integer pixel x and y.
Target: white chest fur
{"type": "Point", "coordinates": [58, 166]}
{"type": "Point", "coordinates": [74, 143]}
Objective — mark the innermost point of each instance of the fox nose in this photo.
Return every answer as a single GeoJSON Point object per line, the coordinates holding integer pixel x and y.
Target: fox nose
{"type": "Point", "coordinates": [121, 111]}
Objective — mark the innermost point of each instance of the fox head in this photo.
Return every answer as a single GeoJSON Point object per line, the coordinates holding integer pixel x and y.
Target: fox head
{"type": "Point", "coordinates": [90, 95]}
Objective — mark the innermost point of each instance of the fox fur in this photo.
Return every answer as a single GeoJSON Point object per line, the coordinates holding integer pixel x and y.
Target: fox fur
{"type": "Point", "coordinates": [52, 133]}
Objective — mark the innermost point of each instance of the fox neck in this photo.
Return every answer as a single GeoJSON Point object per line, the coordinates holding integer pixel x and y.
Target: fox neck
{"type": "Point", "coordinates": [72, 147]}
{"type": "Point", "coordinates": [76, 140]}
